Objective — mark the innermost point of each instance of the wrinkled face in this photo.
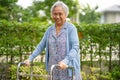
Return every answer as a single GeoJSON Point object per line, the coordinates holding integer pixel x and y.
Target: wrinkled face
{"type": "Point", "coordinates": [59, 15]}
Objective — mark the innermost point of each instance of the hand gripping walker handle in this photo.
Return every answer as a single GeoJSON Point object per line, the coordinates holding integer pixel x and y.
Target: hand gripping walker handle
{"type": "Point", "coordinates": [56, 65]}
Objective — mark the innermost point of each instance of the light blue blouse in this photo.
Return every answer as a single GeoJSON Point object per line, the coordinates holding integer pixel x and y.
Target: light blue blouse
{"type": "Point", "coordinates": [72, 45]}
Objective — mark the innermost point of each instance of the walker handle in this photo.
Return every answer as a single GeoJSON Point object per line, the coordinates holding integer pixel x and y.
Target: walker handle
{"type": "Point", "coordinates": [56, 65]}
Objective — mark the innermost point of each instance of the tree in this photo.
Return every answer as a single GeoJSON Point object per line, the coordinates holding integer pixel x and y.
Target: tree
{"type": "Point", "coordinates": [7, 9]}
{"type": "Point", "coordinates": [45, 5]}
{"type": "Point", "coordinates": [88, 15]}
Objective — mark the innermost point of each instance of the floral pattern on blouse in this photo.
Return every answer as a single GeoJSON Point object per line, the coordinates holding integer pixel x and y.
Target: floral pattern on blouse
{"type": "Point", "coordinates": [57, 52]}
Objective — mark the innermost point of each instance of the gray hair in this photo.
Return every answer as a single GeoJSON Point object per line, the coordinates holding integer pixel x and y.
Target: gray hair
{"type": "Point", "coordinates": [63, 5]}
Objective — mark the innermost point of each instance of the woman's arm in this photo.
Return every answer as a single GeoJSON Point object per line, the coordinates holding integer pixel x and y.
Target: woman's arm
{"type": "Point", "coordinates": [73, 46]}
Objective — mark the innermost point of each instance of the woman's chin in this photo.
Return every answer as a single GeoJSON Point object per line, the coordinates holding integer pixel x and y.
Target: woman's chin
{"type": "Point", "coordinates": [58, 23]}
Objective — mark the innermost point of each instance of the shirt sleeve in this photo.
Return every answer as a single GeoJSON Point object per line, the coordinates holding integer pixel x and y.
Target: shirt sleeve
{"type": "Point", "coordinates": [40, 47]}
{"type": "Point", "coordinates": [73, 46]}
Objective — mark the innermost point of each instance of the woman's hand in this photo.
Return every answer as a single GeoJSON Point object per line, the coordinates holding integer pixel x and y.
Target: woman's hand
{"type": "Point", "coordinates": [62, 65]}
{"type": "Point", "coordinates": [27, 62]}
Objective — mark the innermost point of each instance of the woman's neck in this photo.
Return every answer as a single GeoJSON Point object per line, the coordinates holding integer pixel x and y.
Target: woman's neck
{"type": "Point", "coordinates": [58, 28]}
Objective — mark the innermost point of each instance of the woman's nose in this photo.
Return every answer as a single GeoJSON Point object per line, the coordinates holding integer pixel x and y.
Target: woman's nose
{"type": "Point", "coordinates": [57, 16]}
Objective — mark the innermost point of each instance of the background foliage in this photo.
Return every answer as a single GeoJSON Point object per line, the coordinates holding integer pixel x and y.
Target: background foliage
{"type": "Point", "coordinates": [15, 34]}
{"type": "Point", "coordinates": [22, 29]}
{"type": "Point", "coordinates": [96, 40]}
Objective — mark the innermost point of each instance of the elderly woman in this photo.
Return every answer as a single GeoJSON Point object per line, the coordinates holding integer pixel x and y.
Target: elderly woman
{"type": "Point", "coordinates": [61, 43]}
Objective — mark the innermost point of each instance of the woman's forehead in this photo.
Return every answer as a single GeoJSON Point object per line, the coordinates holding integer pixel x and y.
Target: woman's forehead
{"type": "Point", "coordinates": [58, 9]}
